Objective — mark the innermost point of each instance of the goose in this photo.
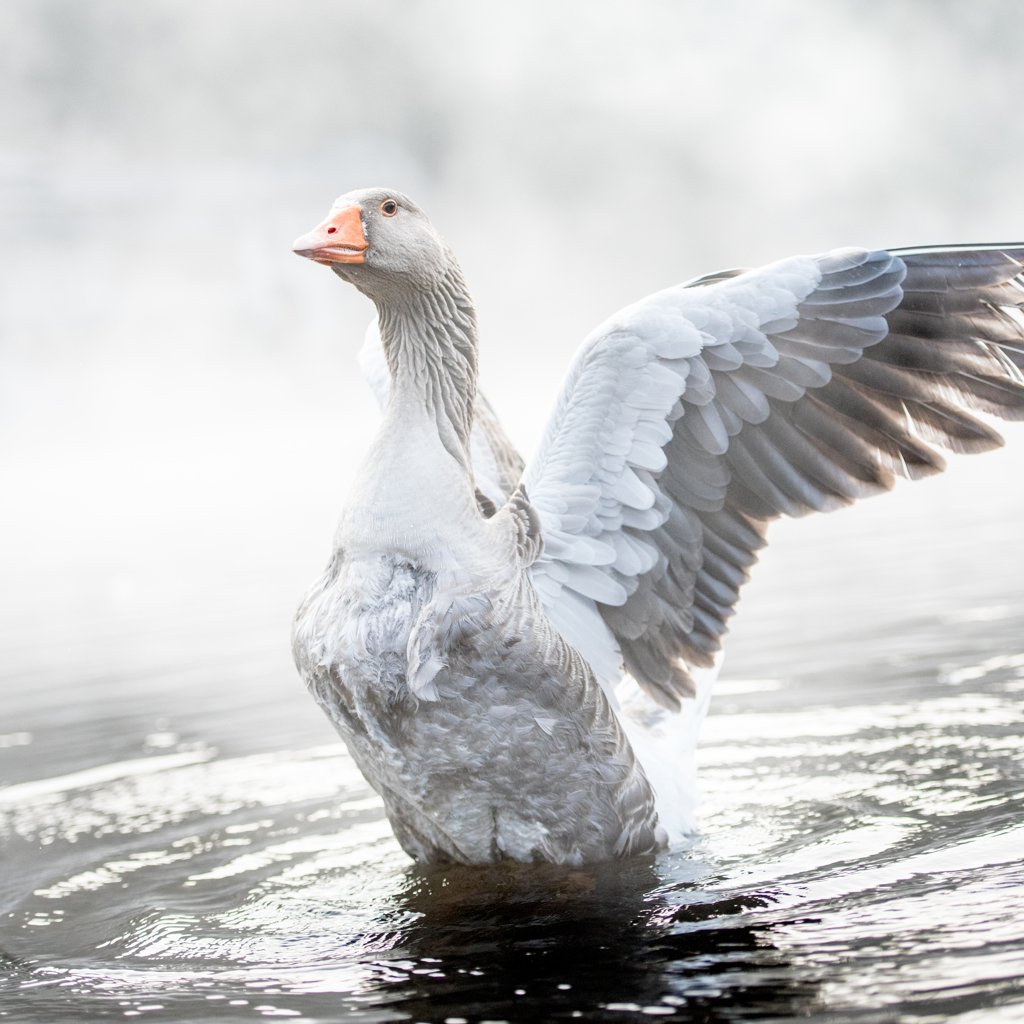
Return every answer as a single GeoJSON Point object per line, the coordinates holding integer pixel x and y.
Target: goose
{"type": "Point", "coordinates": [518, 656]}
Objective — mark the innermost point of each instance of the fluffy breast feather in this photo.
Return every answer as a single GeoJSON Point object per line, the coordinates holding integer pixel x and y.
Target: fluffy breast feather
{"type": "Point", "coordinates": [511, 749]}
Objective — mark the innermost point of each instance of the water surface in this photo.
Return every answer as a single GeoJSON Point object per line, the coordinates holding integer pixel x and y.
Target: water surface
{"type": "Point", "coordinates": [183, 838]}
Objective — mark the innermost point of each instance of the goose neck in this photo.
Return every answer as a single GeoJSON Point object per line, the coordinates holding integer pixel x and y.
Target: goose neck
{"type": "Point", "coordinates": [430, 341]}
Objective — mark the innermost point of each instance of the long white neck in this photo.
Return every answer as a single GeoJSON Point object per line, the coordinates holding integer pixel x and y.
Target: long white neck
{"type": "Point", "coordinates": [430, 342]}
{"type": "Point", "coordinates": [415, 493]}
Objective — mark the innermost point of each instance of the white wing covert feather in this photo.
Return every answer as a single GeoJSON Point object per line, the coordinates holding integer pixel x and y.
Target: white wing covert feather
{"type": "Point", "coordinates": [595, 470]}
{"type": "Point", "coordinates": [691, 419]}
{"type": "Point", "coordinates": [594, 479]}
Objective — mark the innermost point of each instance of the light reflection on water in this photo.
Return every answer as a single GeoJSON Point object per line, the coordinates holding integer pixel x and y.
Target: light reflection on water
{"type": "Point", "coordinates": [860, 864]}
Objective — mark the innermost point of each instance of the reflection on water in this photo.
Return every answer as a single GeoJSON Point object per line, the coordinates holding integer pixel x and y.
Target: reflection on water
{"type": "Point", "coordinates": [272, 885]}
{"type": "Point", "coordinates": [861, 859]}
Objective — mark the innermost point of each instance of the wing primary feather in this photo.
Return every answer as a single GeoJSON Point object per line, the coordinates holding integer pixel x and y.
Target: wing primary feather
{"type": "Point", "coordinates": [694, 418]}
{"type": "Point", "coordinates": [753, 475]}
{"type": "Point", "coordinates": [742, 557]}
{"type": "Point", "coordinates": [862, 455]}
{"type": "Point", "coordinates": [988, 324]}
{"type": "Point", "coordinates": [716, 614]}
{"type": "Point", "coordinates": [942, 271]}
{"type": "Point", "coordinates": [964, 300]}
{"type": "Point", "coordinates": [891, 380]}
{"type": "Point", "coordinates": [652, 674]}
{"type": "Point", "coordinates": [932, 415]}
{"type": "Point", "coordinates": [815, 460]}
{"type": "Point", "coordinates": [880, 427]}
{"type": "Point", "coordinates": [952, 428]}
{"type": "Point", "coordinates": [711, 623]}
{"type": "Point", "coordinates": [726, 572]}
{"type": "Point", "coordinates": [750, 504]}
{"type": "Point", "coordinates": [955, 355]}
{"type": "Point", "coordinates": [781, 471]}
{"type": "Point", "coordinates": [737, 529]}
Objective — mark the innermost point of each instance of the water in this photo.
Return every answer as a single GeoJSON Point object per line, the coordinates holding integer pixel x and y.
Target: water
{"type": "Point", "coordinates": [183, 838]}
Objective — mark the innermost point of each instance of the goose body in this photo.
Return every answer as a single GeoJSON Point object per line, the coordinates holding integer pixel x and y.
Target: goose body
{"type": "Point", "coordinates": [483, 730]}
{"type": "Point", "coordinates": [519, 661]}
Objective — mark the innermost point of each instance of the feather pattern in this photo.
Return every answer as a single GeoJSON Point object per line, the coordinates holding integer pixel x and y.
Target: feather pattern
{"type": "Point", "coordinates": [815, 382]}
{"type": "Point", "coordinates": [497, 466]}
{"type": "Point", "coordinates": [506, 652]}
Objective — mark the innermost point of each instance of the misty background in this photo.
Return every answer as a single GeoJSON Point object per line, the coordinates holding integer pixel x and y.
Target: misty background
{"type": "Point", "coordinates": [180, 405]}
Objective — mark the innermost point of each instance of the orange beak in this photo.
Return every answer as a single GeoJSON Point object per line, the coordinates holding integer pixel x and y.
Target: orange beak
{"type": "Point", "coordinates": [339, 239]}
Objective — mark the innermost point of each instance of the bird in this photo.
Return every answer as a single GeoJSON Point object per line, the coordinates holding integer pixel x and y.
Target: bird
{"type": "Point", "coordinates": [518, 655]}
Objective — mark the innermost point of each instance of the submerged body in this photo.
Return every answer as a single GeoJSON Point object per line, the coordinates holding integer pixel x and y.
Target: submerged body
{"type": "Point", "coordinates": [519, 666]}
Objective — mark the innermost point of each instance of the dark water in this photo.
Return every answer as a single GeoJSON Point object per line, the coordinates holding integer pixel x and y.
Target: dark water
{"type": "Point", "coordinates": [183, 839]}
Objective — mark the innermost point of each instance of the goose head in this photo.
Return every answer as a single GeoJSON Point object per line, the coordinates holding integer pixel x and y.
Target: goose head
{"type": "Point", "coordinates": [379, 240]}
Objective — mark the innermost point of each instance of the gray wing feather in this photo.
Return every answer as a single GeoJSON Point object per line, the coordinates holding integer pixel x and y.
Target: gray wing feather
{"type": "Point", "coordinates": [508, 463]}
{"type": "Point", "coordinates": [884, 361]}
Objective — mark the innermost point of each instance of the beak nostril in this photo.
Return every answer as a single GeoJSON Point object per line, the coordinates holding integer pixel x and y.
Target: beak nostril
{"type": "Point", "coordinates": [337, 239]}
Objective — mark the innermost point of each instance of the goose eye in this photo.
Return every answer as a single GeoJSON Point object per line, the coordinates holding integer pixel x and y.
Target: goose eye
{"type": "Point", "coordinates": [389, 207]}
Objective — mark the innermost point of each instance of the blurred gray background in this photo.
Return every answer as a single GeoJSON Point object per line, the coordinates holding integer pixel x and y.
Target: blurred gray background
{"type": "Point", "coordinates": [180, 407]}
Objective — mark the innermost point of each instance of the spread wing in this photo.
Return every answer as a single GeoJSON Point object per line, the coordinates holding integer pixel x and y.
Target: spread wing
{"type": "Point", "coordinates": [691, 419]}
{"type": "Point", "coordinates": [497, 466]}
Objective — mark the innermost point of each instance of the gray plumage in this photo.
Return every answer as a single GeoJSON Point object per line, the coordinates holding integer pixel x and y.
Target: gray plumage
{"type": "Point", "coordinates": [476, 634]}
{"type": "Point", "coordinates": [887, 355]}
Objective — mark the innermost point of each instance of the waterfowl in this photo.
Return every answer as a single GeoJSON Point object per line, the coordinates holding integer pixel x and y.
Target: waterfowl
{"type": "Point", "coordinates": [518, 656]}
